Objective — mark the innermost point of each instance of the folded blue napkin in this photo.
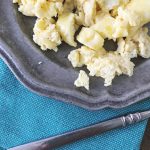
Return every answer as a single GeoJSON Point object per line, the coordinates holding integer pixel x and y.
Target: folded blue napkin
{"type": "Point", "coordinates": [27, 117]}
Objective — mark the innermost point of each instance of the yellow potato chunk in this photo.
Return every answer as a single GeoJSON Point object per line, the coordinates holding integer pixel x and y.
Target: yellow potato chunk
{"type": "Point", "coordinates": [121, 29]}
{"type": "Point", "coordinates": [86, 11]}
{"type": "Point", "coordinates": [136, 12]}
{"type": "Point", "coordinates": [66, 27]}
{"type": "Point", "coordinates": [46, 34]}
{"type": "Point", "coordinates": [107, 5]}
{"type": "Point", "coordinates": [109, 27]}
{"type": "Point", "coordinates": [104, 25]}
{"type": "Point", "coordinates": [90, 38]}
{"type": "Point", "coordinates": [89, 8]}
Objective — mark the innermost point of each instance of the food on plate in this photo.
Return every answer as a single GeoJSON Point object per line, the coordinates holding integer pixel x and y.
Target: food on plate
{"type": "Point", "coordinates": [69, 6]}
{"type": "Point", "coordinates": [95, 20]}
{"type": "Point", "coordinates": [26, 6]}
{"type": "Point", "coordinates": [48, 8]}
{"type": "Point", "coordinates": [82, 56]}
{"type": "Point", "coordinates": [104, 23]}
{"type": "Point", "coordinates": [66, 27]}
{"type": "Point", "coordinates": [90, 38]}
{"type": "Point", "coordinates": [40, 8]}
{"type": "Point", "coordinates": [46, 34]}
{"type": "Point", "coordinates": [110, 65]}
{"type": "Point", "coordinates": [136, 13]}
{"type": "Point", "coordinates": [101, 63]}
{"type": "Point", "coordinates": [82, 80]}
{"type": "Point", "coordinates": [139, 44]}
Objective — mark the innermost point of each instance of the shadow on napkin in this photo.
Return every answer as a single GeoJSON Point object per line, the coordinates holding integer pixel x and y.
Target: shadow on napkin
{"type": "Point", "coordinates": [145, 145]}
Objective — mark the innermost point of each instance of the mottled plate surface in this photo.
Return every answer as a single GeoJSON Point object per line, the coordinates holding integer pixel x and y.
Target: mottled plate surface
{"type": "Point", "coordinates": [51, 74]}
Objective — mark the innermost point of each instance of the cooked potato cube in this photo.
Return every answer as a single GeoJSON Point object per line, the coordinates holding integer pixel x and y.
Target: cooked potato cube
{"type": "Point", "coordinates": [89, 8]}
{"type": "Point", "coordinates": [104, 25]}
{"type": "Point", "coordinates": [90, 38]}
{"type": "Point", "coordinates": [66, 27]}
{"type": "Point", "coordinates": [136, 12]}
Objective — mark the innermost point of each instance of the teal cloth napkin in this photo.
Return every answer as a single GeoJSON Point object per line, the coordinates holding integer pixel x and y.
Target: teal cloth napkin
{"type": "Point", "coordinates": [27, 117]}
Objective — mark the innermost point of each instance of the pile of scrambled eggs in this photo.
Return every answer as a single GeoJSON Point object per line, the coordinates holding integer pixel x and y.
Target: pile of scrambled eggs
{"type": "Point", "coordinates": [118, 20]}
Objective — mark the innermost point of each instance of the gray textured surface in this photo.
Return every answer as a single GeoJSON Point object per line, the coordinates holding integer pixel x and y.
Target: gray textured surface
{"type": "Point", "coordinates": [54, 77]}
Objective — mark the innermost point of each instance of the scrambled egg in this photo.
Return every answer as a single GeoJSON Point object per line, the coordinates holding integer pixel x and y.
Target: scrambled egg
{"type": "Point", "coordinates": [46, 34]}
{"type": "Point", "coordinates": [101, 63]}
{"type": "Point", "coordinates": [26, 6]}
{"type": "Point", "coordinates": [40, 8]}
{"type": "Point", "coordinates": [82, 80]}
{"type": "Point", "coordinates": [118, 20]}
{"type": "Point", "coordinates": [127, 48]}
{"type": "Point", "coordinates": [48, 8]}
{"type": "Point", "coordinates": [143, 41]}
{"type": "Point", "coordinates": [109, 65]}
{"type": "Point", "coordinates": [139, 44]}
{"type": "Point", "coordinates": [83, 56]}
